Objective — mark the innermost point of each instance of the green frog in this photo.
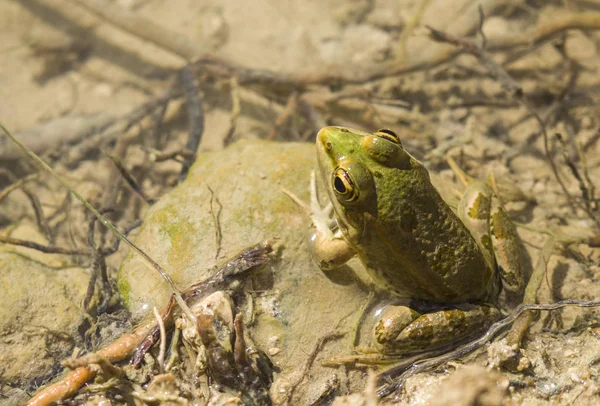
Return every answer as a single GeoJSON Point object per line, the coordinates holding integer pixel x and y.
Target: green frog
{"type": "Point", "coordinates": [449, 266]}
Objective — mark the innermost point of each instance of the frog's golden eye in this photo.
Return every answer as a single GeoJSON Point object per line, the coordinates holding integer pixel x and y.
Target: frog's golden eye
{"type": "Point", "coordinates": [343, 185]}
{"type": "Point", "coordinates": [388, 135]}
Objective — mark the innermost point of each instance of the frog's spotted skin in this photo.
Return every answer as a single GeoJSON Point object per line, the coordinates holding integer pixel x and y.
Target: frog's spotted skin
{"type": "Point", "coordinates": [416, 332]}
{"type": "Point", "coordinates": [412, 244]}
{"type": "Point", "coordinates": [509, 250]}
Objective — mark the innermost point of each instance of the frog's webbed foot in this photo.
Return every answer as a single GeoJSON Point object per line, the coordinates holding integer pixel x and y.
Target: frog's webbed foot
{"type": "Point", "coordinates": [322, 217]}
{"type": "Point", "coordinates": [403, 330]}
{"type": "Point", "coordinates": [329, 247]}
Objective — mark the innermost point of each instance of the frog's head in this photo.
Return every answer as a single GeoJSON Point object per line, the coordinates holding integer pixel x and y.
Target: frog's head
{"type": "Point", "coordinates": [349, 161]}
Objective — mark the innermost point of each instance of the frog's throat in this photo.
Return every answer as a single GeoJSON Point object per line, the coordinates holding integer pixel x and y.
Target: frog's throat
{"type": "Point", "coordinates": [352, 226]}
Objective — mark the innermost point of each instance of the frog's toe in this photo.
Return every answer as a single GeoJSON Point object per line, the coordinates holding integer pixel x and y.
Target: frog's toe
{"type": "Point", "coordinates": [392, 321]}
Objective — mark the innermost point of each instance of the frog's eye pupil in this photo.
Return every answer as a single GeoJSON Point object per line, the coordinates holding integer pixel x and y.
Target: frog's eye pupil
{"type": "Point", "coordinates": [339, 186]}
{"type": "Point", "coordinates": [388, 135]}
{"type": "Point", "coordinates": [344, 186]}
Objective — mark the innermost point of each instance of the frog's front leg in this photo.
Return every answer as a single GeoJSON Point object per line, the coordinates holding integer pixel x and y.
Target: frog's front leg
{"type": "Point", "coordinates": [403, 330]}
{"type": "Point", "coordinates": [330, 249]}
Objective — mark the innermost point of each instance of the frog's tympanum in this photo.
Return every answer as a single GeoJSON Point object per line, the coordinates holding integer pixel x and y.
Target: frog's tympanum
{"type": "Point", "coordinates": [450, 266]}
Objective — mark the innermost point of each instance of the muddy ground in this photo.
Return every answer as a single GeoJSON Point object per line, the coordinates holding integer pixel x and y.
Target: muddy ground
{"type": "Point", "coordinates": [245, 86]}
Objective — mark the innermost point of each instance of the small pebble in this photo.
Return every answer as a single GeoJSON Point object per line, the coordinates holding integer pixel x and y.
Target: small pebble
{"type": "Point", "coordinates": [495, 27]}
{"type": "Point", "coordinates": [587, 122]}
{"type": "Point", "coordinates": [104, 89]}
{"type": "Point", "coordinates": [578, 375]}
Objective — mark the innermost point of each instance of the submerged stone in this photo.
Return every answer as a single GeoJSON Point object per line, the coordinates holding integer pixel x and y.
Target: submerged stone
{"type": "Point", "coordinates": [295, 303]}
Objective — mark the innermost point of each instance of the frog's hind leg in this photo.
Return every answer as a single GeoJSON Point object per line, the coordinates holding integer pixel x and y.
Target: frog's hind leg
{"type": "Point", "coordinates": [483, 214]}
{"type": "Point", "coordinates": [403, 330]}
{"type": "Point", "coordinates": [481, 210]}
{"type": "Point", "coordinates": [514, 264]}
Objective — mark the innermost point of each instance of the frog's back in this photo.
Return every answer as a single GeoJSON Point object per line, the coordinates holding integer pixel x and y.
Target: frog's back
{"type": "Point", "coordinates": [415, 246]}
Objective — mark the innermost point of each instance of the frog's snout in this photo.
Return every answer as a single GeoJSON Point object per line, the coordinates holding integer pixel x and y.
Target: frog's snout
{"type": "Point", "coordinates": [324, 138]}
{"type": "Point", "coordinates": [331, 136]}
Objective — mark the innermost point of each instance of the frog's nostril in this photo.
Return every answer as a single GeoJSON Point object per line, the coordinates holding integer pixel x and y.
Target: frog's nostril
{"type": "Point", "coordinates": [328, 145]}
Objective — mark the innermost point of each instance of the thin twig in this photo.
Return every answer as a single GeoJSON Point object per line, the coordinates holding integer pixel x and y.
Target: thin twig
{"type": "Point", "coordinates": [112, 249]}
{"type": "Point", "coordinates": [61, 209]}
{"type": "Point", "coordinates": [585, 193]}
{"type": "Point", "coordinates": [97, 258]}
{"type": "Point", "coordinates": [44, 248]}
{"type": "Point", "coordinates": [285, 115]}
{"type": "Point", "coordinates": [311, 116]}
{"type": "Point", "coordinates": [16, 185]}
{"type": "Point", "coordinates": [115, 182]}
{"type": "Point", "coordinates": [179, 155]}
{"type": "Point", "coordinates": [39, 215]}
{"type": "Point", "coordinates": [235, 110]}
{"type": "Point", "coordinates": [563, 21]}
{"type": "Point", "coordinates": [332, 335]}
{"type": "Point", "coordinates": [173, 353]}
{"type": "Point", "coordinates": [195, 116]}
{"type": "Point", "coordinates": [129, 178]}
{"type": "Point", "coordinates": [586, 175]}
{"type": "Point", "coordinates": [107, 288]}
{"type": "Point", "coordinates": [157, 121]}
{"type": "Point", "coordinates": [163, 340]}
{"type": "Point", "coordinates": [91, 288]}
{"type": "Point", "coordinates": [216, 223]}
